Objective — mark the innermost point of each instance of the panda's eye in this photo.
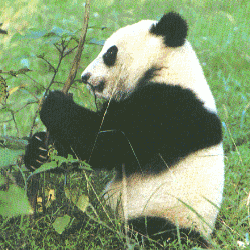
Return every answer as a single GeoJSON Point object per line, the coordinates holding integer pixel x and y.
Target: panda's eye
{"type": "Point", "coordinates": [109, 57]}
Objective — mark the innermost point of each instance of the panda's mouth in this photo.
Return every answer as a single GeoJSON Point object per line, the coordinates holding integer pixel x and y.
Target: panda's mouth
{"type": "Point", "coordinates": [96, 91]}
{"type": "Point", "coordinates": [99, 88]}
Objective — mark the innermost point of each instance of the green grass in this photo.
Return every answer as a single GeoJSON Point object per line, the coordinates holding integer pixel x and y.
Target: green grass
{"type": "Point", "coordinates": [219, 32]}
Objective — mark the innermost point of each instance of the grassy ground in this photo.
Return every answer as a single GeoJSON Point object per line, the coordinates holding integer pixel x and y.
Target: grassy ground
{"type": "Point", "coordinates": [219, 32]}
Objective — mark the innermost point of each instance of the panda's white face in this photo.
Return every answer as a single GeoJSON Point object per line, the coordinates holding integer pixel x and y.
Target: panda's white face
{"type": "Point", "coordinates": [128, 52]}
{"type": "Point", "coordinates": [131, 52]}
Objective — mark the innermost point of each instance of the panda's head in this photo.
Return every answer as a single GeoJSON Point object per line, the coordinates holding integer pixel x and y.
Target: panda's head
{"type": "Point", "coordinates": [146, 51]}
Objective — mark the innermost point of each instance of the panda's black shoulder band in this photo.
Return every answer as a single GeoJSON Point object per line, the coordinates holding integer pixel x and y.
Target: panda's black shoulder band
{"type": "Point", "coordinates": [173, 28]}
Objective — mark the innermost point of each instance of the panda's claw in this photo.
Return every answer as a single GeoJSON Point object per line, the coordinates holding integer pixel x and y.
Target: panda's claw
{"type": "Point", "coordinates": [33, 167]}
{"type": "Point", "coordinates": [43, 149]}
{"type": "Point", "coordinates": [43, 157]}
{"type": "Point", "coordinates": [39, 139]}
{"type": "Point", "coordinates": [39, 162]}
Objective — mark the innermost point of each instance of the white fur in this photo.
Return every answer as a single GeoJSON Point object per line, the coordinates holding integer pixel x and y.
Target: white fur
{"type": "Point", "coordinates": [182, 194]}
{"type": "Point", "coordinates": [139, 50]}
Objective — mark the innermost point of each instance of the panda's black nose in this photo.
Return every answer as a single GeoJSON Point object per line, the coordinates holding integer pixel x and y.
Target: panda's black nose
{"type": "Point", "coordinates": [86, 77]}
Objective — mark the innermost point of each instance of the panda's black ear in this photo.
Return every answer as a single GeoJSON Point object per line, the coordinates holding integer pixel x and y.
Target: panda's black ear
{"type": "Point", "coordinates": [173, 28]}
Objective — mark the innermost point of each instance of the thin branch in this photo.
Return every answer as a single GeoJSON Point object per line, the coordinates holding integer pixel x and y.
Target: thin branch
{"type": "Point", "coordinates": [27, 104]}
{"type": "Point", "coordinates": [37, 83]}
{"type": "Point", "coordinates": [34, 121]}
{"type": "Point", "coordinates": [59, 50]}
{"type": "Point", "coordinates": [31, 93]}
{"type": "Point", "coordinates": [61, 56]}
{"type": "Point", "coordinates": [69, 51]}
{"type": "Point", "coordinates": [59, 82]}
{"type": "Point", "coordinates": [6, 121]}
{"type": "Point", "coordinates": [50, 65]}
{"type": "Point", "coordinates": [14, 119]}
{"type": "Point", "coordinates": [56, 70]}
{"type": "Point", "coordinates": [77, 58]}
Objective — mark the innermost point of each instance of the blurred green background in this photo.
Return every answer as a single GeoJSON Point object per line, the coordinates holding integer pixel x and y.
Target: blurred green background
{"type": "Point", "coordinates": [219, 32]}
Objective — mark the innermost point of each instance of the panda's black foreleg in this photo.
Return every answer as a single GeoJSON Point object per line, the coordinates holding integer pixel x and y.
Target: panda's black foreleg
{"type": "Point", "coordinates": [111, 149]}
{"type": "Point", "coordinates": [70, 128]}
{"type": "Point", "coordinates": [160, 229]}
{"type": "Point", "coordinates": [75, 130]}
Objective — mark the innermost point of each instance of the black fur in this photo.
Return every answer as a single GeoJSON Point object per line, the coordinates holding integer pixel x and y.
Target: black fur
{"type": "Point", "coordinates": [147, 76]}
{"type": "Point", "coordinates": [155, 119]}
{"type": "Point", "coordinates": [172, 28]}
{"type": "Point", "coordinates": [109, 58]}
{"type": "Point", "coordinates": [161, 229]}
{"type": "Point", "coordinates": [34, 151]}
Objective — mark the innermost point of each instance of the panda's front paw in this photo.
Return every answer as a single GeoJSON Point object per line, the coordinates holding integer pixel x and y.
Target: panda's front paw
{"type": "Point", "coordinates": [36, 152]}
{"type": "Point", "coordinates": [56, 101]}
{"type": "Point", "coordinates": [56, 109]}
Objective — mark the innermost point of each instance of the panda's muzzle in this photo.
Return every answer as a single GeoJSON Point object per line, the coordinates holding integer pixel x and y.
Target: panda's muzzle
{"type": "Point", "coordinates": [85, 78]}
{"type": "Point", "coordinates": [97, 88]}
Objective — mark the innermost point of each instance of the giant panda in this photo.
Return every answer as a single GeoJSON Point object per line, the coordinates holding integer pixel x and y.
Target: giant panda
{"type": "Point", "coordinates": [158, 128]}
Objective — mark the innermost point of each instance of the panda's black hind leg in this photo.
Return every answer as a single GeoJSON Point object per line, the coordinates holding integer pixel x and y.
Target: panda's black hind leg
{"type": "Point", "coordinates": [161, 230]}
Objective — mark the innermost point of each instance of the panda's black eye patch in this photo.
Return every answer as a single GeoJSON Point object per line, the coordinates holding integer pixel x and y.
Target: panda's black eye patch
{"type": "Point", "coordinates": [109, 57]}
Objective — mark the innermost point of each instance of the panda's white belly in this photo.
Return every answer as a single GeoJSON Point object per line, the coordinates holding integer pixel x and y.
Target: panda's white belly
{"type": "Point", "coordinates": [184, 193]}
